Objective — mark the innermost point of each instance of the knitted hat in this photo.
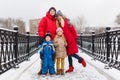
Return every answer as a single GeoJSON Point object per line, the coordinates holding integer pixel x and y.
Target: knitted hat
{"type": "Point", "coordinates": [51, 9]}
{"type": "Point", "coordinates": [47, 34]}
{"type": "Point", "coordinates": [59, 13]}
{"type": "Point", "coordinates": [59, 29]}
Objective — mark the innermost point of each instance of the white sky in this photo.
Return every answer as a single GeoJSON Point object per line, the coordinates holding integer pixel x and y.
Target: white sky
{"type": "Point", "coordinates": [96, 12]}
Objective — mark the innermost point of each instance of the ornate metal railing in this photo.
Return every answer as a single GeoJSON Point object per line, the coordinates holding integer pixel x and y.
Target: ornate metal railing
{"type": "Point", "coordinates": [15, 48]}
{"type": "Point", "coordinates": [104, 47]}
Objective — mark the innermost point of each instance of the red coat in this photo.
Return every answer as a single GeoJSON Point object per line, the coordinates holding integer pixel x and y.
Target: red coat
{"type": "Point", "coordinates": [73, 31]}
{"type": "Point", "coordinates": [71, 36]}
{"type": "Point", "coordinates": [47, 23]}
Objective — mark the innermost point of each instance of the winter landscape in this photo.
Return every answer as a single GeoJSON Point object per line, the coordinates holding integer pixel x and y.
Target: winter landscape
{"type": "Point", "coordinates": [94, 71]}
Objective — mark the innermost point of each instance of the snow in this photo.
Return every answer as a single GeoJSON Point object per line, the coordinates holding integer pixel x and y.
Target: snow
{"type": "Point", "coordinates": [94, 71]}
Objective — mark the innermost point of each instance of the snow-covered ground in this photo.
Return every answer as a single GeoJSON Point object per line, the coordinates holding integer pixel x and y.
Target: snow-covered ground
{"type": "Point", "coordinates": [94, 71]}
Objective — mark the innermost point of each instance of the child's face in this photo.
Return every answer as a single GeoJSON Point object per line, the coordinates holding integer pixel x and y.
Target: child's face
{"type": "Point", "coordinates": [47, 38]}
{"type": "Point", "coordinates": [59, 33]}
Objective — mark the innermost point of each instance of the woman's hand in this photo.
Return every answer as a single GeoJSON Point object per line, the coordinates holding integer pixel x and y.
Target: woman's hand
{"type": "Point", "coordinates": [62, 22]}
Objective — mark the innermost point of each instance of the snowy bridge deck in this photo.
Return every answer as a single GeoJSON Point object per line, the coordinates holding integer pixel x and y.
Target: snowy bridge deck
{"type": "Point", "coordinates": [94, 71]}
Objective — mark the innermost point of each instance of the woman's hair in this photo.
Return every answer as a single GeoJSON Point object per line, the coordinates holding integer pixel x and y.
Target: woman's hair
{"type": "Point", "coordinates": [64, 17]}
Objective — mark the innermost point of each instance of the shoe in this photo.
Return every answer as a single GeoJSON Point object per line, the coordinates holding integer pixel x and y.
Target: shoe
{"type": "Point", "coordinates": [71, 68]}
{"type": "Point", "coordinates": [40, 72]}
{"type": "Point", "coordinates": [52, 75]}
{"type": "Point", "coordinates": [43, 75]}
{"type": "Point", "coordinates": [82, 62]}
{"type": "Point", "coordinates": [58, 72]}
{"type": "Point", "coordinates": [62, 71]}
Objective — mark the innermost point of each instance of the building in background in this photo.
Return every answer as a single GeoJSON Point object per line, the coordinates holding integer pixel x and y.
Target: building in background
{"type": "Point", "coordinates": [34, 26]}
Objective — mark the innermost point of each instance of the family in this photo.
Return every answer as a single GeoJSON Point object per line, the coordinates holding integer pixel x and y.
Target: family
{"type": "Point", "coordinates": [59, 41]}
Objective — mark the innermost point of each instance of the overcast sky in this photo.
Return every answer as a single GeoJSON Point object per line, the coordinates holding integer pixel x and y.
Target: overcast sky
{"type": "Point", "coordinates": [96, 12]}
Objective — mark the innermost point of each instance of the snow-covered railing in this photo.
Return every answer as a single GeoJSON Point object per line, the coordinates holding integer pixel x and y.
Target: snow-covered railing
{"type": "Point", "coordinates": [16, 47]}
{"type": "Point", "coordinates": [104, 47]}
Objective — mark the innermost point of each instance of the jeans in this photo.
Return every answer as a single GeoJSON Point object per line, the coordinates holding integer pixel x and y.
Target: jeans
{"type": "Point", "coordinates": [75, 56]}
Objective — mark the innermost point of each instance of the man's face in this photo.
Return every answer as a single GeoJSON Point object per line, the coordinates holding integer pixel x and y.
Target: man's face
{"type": "Point", "coordinates": [52, 12]}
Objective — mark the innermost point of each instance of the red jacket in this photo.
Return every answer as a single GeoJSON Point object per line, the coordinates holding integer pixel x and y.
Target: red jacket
{"type": "Point", "coordinates": [71, 36]}
{"type": "Point", "coordinates": [47, 24]}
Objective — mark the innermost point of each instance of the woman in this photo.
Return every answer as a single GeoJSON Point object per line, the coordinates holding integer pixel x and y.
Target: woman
{"type": "Point", "coordinates": [47, 24]}
{"type": "Point", "coordinates": [71, 36]}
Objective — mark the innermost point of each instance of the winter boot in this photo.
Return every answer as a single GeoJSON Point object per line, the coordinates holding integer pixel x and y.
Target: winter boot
{"type": "Point", "coordinates": [40, 72]}
{"type": "Point", "coordinates": [71, 68]}
{"type": "Point", "coordinates": [82, 62]}
{"type": "Point", "coordinates": [62, 71]}
{"type": "Point", "coordinates": [58, 71]}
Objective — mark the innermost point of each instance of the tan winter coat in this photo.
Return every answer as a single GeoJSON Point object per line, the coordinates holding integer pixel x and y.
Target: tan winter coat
{"type": "Point", "coordinates": [60, 46]}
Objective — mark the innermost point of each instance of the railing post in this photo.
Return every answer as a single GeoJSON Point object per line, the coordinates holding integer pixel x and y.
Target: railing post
{"type": "Point", "coordinates": [81, 34]}
{"type": "Point", "coordinates": [93, 48]}
{"type": "Point", "coordinates": [16, 46]}
{"type": "Point", "coordinates": [28, 41]}
{"type": "Point", "coordinates": [108, 43]}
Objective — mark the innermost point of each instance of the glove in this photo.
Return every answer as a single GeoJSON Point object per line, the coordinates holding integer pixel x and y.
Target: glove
{"type": "Point", "coordinates": [41, 56]}
{"type": "Point", "coordinates": [41, 40]}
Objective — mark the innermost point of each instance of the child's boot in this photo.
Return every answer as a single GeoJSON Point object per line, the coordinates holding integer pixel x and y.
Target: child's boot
{"type": "Point", "coordinates": [40, 72]}
{"type": "Point", "coordinates": [62, 71]}
{"type": "Point", "coordinates": [71, 68]}
{"type": "Point", "coordinates": [58, 71]}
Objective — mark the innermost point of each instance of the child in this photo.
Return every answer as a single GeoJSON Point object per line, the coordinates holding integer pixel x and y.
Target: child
{"type": "Point", "coordinates": [60, 46]}
{"type": "Point", "coordinates": [47, 51]}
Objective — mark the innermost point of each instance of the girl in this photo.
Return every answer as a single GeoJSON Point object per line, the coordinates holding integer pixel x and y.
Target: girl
{"type": "Point", "coordinates": [71, 36]}
{"type": "Point", "coordinates": [60, 46]}
{"type": "Point", "coordinates": [47, 51]}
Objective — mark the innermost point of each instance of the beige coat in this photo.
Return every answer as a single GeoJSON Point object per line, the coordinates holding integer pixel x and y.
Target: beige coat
{"type": "Point", "coordinates": [60, 46]}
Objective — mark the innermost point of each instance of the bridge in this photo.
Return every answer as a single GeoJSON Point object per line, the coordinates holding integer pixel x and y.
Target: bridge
{"type": "Point", "coordinates": [19, 56]}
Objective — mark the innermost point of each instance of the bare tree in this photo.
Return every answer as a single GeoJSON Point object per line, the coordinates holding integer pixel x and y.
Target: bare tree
{"type": "Point", "coordinates": [118, 19]}
{"type": "Point", "coordinates": [10, 22]}
{"type": "Point", "coordinates": [80, 23]}
{"type": "Point", "coordinates": [21, 25]}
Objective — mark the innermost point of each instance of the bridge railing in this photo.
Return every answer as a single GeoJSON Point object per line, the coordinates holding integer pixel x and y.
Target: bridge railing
{"type": "Point", "coordinates": [104, 47]}
{"type": "Point", "coordinates": [16, 47]}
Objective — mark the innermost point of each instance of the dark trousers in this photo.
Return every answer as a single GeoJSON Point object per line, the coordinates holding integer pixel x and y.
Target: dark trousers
{"type": "Point", "coordinates": [75, 56]}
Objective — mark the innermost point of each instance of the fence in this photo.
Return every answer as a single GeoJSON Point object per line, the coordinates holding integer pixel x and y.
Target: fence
{"type": "Point", "coordinates": [104, 47]}
{"type": "Point", "coordinates": [15, 48]}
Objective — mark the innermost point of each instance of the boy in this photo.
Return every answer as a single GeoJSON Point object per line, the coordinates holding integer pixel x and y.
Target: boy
{"type": "Point", "coordinates": [47, 51]}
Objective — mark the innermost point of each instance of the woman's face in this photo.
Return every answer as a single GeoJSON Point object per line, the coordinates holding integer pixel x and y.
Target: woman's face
{"type": "Point", "coordinates": [52, 12]}
{"type": "Point", "coordinates": [59, 17]}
